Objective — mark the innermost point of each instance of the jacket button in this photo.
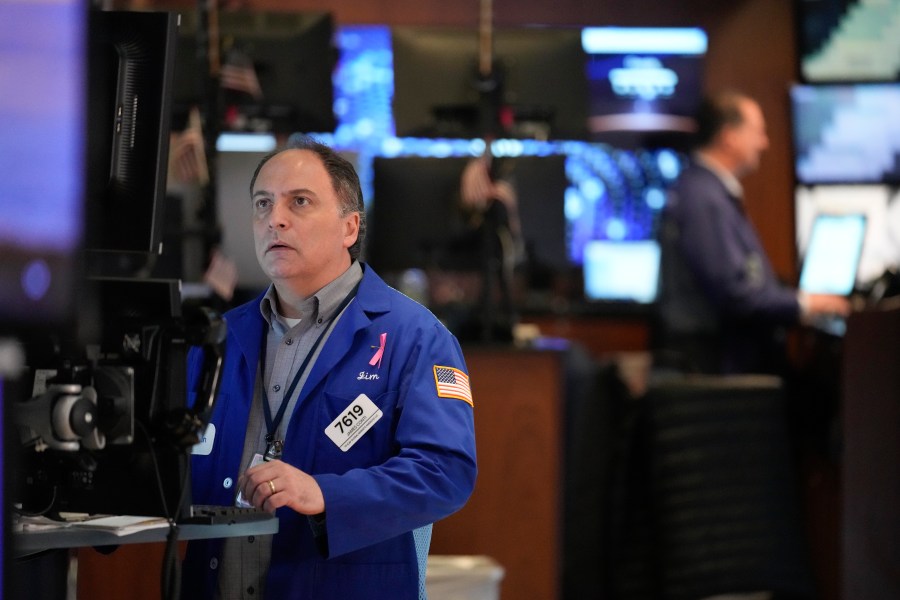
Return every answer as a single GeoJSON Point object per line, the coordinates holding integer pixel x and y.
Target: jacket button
{"type": "Point", "coordinates": [289, 341]}
{"type": "Point", "coordinates": [214, 563]}
{"type": "Point", "coordinates": [227, 483]}
{"type": "Point", "coordinates": [276, 387]}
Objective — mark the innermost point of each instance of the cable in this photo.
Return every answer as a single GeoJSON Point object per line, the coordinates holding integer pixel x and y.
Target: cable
{"type": "Point", "coordinates": [43, 511]}
{"type": "Point", "coordinates": [170, 577]}
{"type": "Point", "coordinates": [170, 574]}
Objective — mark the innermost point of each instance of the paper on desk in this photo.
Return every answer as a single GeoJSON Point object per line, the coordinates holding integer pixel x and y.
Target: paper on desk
{"type": "Point", "coordinates": [121, 525]}
{"type": "Point", "coordinates": [36, 523]}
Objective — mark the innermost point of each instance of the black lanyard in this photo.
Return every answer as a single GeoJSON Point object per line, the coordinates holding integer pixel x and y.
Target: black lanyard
{"type": "Point", "coordinates": [272, 446]}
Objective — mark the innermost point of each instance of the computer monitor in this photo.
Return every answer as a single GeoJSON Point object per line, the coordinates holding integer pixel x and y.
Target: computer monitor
{"type": "Point", "coordinates": [846, 133]}
{"type": "Point", "coordinates": [645, 84]}
{"type": "Point", "coordinates": [437, 86]}
{"type": "Point", "coordinates": [881, 206]}
{"type": "Point", "coordinates": [415, 221]}
{"type": "Point", "coordinates": [832, 254]}
{"type": "Point", "coordinates": [276, 70]}
{"type": "Point", "coordinates": [131, 59]}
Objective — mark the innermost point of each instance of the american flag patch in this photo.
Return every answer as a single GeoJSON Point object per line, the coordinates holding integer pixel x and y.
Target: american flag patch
{"type": "Point", "coordinates": [452, 383]}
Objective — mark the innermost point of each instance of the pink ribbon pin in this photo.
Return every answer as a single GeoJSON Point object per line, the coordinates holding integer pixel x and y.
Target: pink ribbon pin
{"type": "Point", "coordinates": [379, 354]}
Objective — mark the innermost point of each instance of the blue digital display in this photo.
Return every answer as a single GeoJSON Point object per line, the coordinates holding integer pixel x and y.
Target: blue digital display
{"type": "Point", "coordinates": [643, 80]}
{"type": "Point", "coordinates": [846, 133]}
{"type": "Point", "coordinates": [42, 157]}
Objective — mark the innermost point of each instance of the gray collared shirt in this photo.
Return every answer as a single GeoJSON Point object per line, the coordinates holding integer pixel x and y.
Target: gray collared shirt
{"type": "Point", "coordinates": [245, 561]}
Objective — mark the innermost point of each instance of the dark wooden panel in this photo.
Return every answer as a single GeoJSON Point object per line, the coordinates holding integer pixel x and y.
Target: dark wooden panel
{"type": "Point", "coordinates": [871, 459]}
{"type": "Point", "coordinates": [514, 515]}
{"type": "Point", "coordinates": [601, 336]}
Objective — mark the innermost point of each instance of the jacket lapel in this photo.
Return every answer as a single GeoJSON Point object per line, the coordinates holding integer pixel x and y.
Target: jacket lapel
{"type": "Point", "coordinates": [372, 297]}
{"type": "Point", "coordinates": [245, 325]}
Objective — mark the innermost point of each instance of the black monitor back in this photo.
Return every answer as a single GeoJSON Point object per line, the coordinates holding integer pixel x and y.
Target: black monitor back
{"type": "Point", "coordinates": [130, 67]}
{"type": "Point", "coordinates": [438, 87]}
{"type": "Point", "coordinates": [416, 222]}
{"type": "Point", "coordinates": [291, 55]}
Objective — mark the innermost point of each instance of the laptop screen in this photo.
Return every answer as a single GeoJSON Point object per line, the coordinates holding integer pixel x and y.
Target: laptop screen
{"type": "Point", "coordinates": [832, 254]}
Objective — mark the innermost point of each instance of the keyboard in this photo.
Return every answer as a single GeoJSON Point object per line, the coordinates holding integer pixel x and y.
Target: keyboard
{"type": "Point", "coordinates": [209, 514]}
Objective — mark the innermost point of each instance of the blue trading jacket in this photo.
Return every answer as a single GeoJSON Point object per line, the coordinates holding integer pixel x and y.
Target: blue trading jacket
{"type": "Point", "coordinates": [415, 466]}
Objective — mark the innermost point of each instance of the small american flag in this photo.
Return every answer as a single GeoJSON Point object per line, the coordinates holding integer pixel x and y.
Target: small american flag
{"type": "Point", "coordinates": [239, 74]}
{"type": "Point", "coordinates": [187, 153]}
{"type": "Point", "coordinates": [452, 383]}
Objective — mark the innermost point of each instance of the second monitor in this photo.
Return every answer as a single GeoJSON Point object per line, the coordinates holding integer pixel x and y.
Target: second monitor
{"type": "Point", "coordinates": [416, 221]}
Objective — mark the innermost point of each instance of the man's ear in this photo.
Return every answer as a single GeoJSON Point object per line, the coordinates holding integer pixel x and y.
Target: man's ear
{"type": "Point", "coordinates": [351, 229]}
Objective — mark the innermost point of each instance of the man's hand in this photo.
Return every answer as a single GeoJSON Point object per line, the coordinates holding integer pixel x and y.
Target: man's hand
{"type": "Point", "coordinates": [815, 305]}
{"type": "Point", "coordinates": [273, 484]}
{"type": "Point", "coordinates": [476, 187]}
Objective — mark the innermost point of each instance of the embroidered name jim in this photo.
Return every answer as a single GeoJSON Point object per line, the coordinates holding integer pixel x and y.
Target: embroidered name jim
{"type": "Point", "coordinates": [364, 376]}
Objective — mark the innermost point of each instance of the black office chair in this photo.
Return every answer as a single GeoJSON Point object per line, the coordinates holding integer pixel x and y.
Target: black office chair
{"type": "Point", "coordinates": [723, 492]}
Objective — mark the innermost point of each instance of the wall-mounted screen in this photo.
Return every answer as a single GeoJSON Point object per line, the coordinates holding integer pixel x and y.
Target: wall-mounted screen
{"type": "Point", "coordinates": [644, 83]}
{"type": "Point", "coordinates": [850, 40]}
{"type": "Point", "coordinates": [846, 133]}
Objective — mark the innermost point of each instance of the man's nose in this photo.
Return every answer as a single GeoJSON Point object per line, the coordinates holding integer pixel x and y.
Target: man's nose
{"type": "Point", "coordinates": [278, 217]}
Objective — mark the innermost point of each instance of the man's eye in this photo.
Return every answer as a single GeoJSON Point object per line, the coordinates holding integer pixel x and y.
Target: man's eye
{"type": "Point", "coordinates": [301, 200]}
{"type": "Point", "coordinates": [261, 204]}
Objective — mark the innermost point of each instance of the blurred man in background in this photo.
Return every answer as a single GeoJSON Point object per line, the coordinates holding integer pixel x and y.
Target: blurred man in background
{"type": "Point", "coordinates": [722, 307]}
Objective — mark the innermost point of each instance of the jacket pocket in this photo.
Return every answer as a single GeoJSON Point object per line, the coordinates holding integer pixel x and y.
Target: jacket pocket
{"type": "Point", "coordinates": [356, 431]}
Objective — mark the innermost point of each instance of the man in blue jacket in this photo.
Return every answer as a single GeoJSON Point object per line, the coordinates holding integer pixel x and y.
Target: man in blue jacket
{"type": "Point", "coordinates": [345, 407]}
{"type": "Point", "coordinates": [722, 307]}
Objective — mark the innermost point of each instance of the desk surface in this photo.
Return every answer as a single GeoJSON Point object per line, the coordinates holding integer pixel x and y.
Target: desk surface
{"type": "Point", "coordinates": [31, 542]}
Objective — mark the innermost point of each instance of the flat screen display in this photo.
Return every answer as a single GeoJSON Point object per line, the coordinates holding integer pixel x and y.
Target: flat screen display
{"type": "Point", "coordinates": [621, 271]}
{"type": "Point", "coordinates": [644, 84]}
{"type": "Point", "coordinates": [832, 254]}
{"type": "Point", "coordinates": [850, 40]}
{"type": "Point", "coordinates": [847, 133]}
{"type": "Point", "coordinates": [880, 204]}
